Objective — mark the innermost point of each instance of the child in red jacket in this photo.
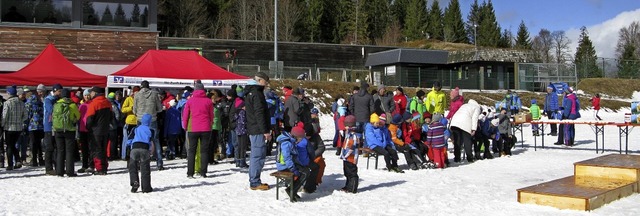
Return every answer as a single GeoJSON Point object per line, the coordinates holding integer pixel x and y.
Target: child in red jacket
{"type": "Point", "coordinates": [595, 102]}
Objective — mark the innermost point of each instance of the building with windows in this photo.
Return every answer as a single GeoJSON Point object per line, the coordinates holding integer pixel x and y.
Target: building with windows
{"type": "Point", "coordinates": [100, 36]}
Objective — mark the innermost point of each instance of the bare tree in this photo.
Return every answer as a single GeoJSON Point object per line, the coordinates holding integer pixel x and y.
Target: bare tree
{"type": "Point", "coordinates": [191, 17]}
{"type": "Point", "coordinates": [628, 35]}
{"type": "Point", "coordinates": [392, 35]}
{"type": "Point", "coordinates": [542, 45]}
{"type": "Point", "coordinates": [289, 13]}
{"type": "Point", "coordinates": [244, 19]}
{"type": "Point", "coordinates": [561, 46]}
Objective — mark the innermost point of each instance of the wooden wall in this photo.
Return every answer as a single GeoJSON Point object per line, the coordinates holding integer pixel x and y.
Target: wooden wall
{"type": "Point", "coordinates": [76, 44]}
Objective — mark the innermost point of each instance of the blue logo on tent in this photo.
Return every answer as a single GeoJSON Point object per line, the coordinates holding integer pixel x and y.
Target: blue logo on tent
{"type": "Point", "coordinates": [118, 79]}
{"type": "Point", "coordinates": [217, 82]}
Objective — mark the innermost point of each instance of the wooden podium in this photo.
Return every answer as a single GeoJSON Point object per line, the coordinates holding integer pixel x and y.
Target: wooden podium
{"type": "Point", "coordinates": [595, 182]}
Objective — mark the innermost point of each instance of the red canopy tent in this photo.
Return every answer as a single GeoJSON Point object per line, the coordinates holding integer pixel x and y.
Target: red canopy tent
{"type": "Point", "coordinates": [173, 68]}
{"type": "Point", "coordinates": [51, 67]}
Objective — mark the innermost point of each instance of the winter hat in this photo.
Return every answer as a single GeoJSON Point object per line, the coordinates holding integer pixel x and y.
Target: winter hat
{"type": "Point", "coordinates": [65, 93]}
{"type": "Point", "coordinates": [374, 118]}
{"type": "Point", "coordinates": [383, 118]}
{"type": "Point", "coordinates": [436, 117]}
{"type": "Point", "coordinates": [57, 87]}
{"type": "Point", "coordinates": [232, 93]}
{"type": "Point", "coordinates": [550, 86]}
{"type": "Point", "coordinates": [406, 116]}
{"type": "Point", "coordinates": [415, 116]}
{"type": "Point", "coordinates": [454, 93]}
{"type": "Point", "coordinates": [144, 84]}
{"type": "Point", "coordinates": [111, 95]}
{"type": "Point", "coordinates": [420, 93]}
{"type": "Point", "coordinates": [298, 130]}
{"type": "Point", "coordinates": [26, 89]}
{"type": "Point", "coordinates": [397, 119]}
{"type": "Point", "coordinates": [198, 86]}
{"type": "Point", "coordinates": [340, 102]}
{"type": "Point", "coordinates": [495, 122]}
{"type": "Point", "coordinates": [41, 88]}
{"type": "Point", "coordinates": [350, 121]}
{"type": "Point", "coordinates": [12, 91]}
{"type": "Point", "coordinates": [503, 108]}
{"type": "Point", "coordinates": [427, 115]}
{"type": "Point", "coordinates": [186, 94]}
{"type": "Point", "coordinates": [400, 89]}
{"type": "Point", "coordinates": [534, 101]}
{"type": "Point", "coordinates": [569, 90]}
{"type": "Point", "coordinates": [136, 89]}
{"type": "Point", "coordinates": [364, 85]}
{"type": "Point", "coordinates": [19, 91]}
{"type": "Point", "coordinates": [263, 76]}
{"type": "Point", "coordinates": [86, 92]}
{"type": "Point", "coordinates": [97, 90]}
{"type": "Point", "coordinates": [172, 103]}
{"type": "Point", "coordinates": [239, 89]}
{"type": "Point", "coordinates": [381, 86]}
{"type": "Point", "coordinates": [315, 111]}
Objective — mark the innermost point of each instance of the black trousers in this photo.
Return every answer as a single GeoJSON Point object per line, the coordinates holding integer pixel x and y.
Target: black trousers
{"type": "Point", "coordinates": [85, 148]}
{"type": "Point", "coordinates": [554, 127]}
{"type": "Point", "coordinates": [113, 145]}
{"type": "Point", "coordinates": [213, 145]}
{"type": "Point", "coordinates": [49, 149]}
{"type": "Point", "coordinates": [409, 155]}
{"type": "Point", "coordinates": [390, 156]}
{"type": "Point", "coordinates": [140, 159]}
{"type": "Point", "coordinates": [311, 185]}
{"type": "Point", "coordinates": [194, 137]}
{"type": "Point", "coordinates": [241, 147]}
{"type": "Point", "coordinates": [66, 146]}
{"type": "Point", "coordinates": [504, 145]}
{"type": "Point", "coordinates": [482, 141]}
{"type": "Point", "coordinates": [99, 150]}
{"type": "Point", "coordinates": [462, 139]}
{"type": "Point", "coordinates": [35, 141]}
{"type": "Point", "coordinates": [561, 134]}
{"type": "Point", "coordinates": [11, 137]}
{"type": "Point", "coordinates": [351, 173]}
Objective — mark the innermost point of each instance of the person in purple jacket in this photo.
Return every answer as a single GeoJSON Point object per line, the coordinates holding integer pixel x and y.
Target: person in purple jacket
{"type": "Point", "coordinates": [243, 137]}
{"type": "Point", "coordinates": [197, 118]}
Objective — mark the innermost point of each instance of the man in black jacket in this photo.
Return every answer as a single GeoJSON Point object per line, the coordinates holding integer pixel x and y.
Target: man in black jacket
{"type": "Point", "coordinates": [258, 121]}
{"type": "Point", "coordinates": [361, 106]}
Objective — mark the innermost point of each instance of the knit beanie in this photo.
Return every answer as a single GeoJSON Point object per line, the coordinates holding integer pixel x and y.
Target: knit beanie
{"type": "Point", "coordinates": [397, 119]}
{"type": "Point", "coordinates": [86, 92]}
{"type": "Point", "coordinates": [12, 91]}
{"type": "Point", "coordinates": [41, 88]}
{"type": "Point", "coordinates": [298, 130]}
{"type": "Point", "coordinates": [383, 118]}
{"type": "Point", "coordinates": [111, 95]}
{"type": "Point", "coordinates": [350, 121]}
{"type": "Point", "coordinates": [374, 118]}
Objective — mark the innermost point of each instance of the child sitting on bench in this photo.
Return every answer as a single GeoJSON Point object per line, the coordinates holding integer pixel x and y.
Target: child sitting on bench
{"type": "Point", "coordinates": [287, 159]}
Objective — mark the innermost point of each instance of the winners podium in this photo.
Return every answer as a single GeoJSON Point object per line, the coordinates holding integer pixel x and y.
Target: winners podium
{"type": "Point", "coordinates": [595, 182]}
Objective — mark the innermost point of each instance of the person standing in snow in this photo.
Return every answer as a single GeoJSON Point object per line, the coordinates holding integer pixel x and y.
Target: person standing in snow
{"type": "Point", "coordinates": [571, 111]}
{"type": "Point", "coordinates": [506, 134]}
{"type": "Point", "coordinates": [361, 106]}
{"type": "Point", "coordinates": [456, 102]}
{"type": "Point", "coordinates": [140, 159]}
{"type": "Point", "coordinates": [257, 128]}
{"type": "Point", "coordinates": [293, 109]}
{"type": "Point", "coordinates": [535, 115]}
{"type": "Point", "coordinates": [383, 103]}
{"type": "Point", "coordinates": [197, 118]}
{"type": "Point", "coordinates": [349, 155]}
{"type": "Point", "coordinates": [595, 103]}
{"type": "Point", "coordinates": [99, 117]}
{"type": "Point", "coordinates": [13, 116]}
{"type": "Point", "coordinates": [463, 127]}
{"type": "Point", "coordinates": [551, 107]}
{"type": "Point", "coordinates": [400, 101]}
{"type": "Point", "coordinates": [48, 140]}
{"type": "Point", "coordinates": [65, 118]}
{"type": "Point", "coordinates": [436, 99]}
{"type": "Point", "coordinates": [243, 137]}
{"type": "Point", "coordinates": [146, 101]}
{"type": "Point", "coordinates": [34, 111]}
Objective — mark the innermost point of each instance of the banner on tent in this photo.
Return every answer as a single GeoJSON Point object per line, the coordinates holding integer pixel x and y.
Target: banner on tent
{"type": "Point", "coordinates": [125, 81]}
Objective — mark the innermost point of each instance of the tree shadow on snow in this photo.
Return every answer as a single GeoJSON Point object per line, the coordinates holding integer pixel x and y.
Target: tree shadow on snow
{"type": "Point", "coordinates": [200, 184]}
{"type": "Point", "coordinates": [381, 185]}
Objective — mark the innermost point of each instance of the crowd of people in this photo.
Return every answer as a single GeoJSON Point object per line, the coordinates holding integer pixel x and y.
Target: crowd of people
{"type": "Point", "coordinates": [63, 126]}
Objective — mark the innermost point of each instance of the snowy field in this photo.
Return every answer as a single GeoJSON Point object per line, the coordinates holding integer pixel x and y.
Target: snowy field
{"type": "Point", "coordinates": [487, 187]}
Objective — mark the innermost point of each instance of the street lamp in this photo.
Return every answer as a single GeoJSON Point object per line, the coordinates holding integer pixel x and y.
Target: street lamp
{"type": "Point", "coordinates": [475, 41]}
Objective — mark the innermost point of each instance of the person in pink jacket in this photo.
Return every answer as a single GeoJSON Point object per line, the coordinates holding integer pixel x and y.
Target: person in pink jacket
{"type": "Point", "coordinates": [197, 118]}
{"type": "Point", "coordinates": [456, 101]}
{"type": "Point", "coordinates": [83, 134]}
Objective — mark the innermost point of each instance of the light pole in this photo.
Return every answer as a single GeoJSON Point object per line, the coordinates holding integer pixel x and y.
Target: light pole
{"type": "Point", "coordinates": [475, 41]}
{"type": "Point", "coordinates": [275, 35]}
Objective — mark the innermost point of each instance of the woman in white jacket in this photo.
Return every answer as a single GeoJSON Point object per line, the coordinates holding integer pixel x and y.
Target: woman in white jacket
{"type": "Point", "coordinates": [463, 126]}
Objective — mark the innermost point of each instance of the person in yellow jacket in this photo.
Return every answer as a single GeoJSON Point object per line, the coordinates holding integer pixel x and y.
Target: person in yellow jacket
{"type": "Point", "coordinates": [436, 99]}
{"type": "Point", "coordinates": [130, 121]}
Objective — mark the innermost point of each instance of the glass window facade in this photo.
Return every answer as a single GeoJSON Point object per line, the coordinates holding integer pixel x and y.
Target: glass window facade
{"type": "Point", "coordinates": [123, 14]}
{"type": "Point", "coordinates": [37, 11]}
{"type": "Point", "coordinates": [96, 13]}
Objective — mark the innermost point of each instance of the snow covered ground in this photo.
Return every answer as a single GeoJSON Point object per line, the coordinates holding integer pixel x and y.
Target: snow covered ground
{"type": "Point", "coordinates": [486, 187]}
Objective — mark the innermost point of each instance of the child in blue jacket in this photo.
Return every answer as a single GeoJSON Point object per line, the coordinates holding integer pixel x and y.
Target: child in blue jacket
{"type": "Point", "coordinates": [140, 157]}
{"type": "Point", "coordinates": [379, 140]}
{"type": "Point", "coordinates": [288, 159]}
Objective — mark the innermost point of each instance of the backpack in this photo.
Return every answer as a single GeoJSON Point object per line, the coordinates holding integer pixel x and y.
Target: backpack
{"type": "Point", "coordinates": [62, 119]}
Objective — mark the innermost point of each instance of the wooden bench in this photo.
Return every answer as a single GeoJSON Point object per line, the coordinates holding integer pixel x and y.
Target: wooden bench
{"type": "Point", "coordinates": [284, 179]}
{"type": "Point", "coordinates": [370, 153]}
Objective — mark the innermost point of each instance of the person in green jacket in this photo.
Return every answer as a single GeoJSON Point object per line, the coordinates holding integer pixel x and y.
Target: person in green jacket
{"type": "Point", "coordinates": [436, 99]}
{"type": "Point", "coordinates": [417, 105]}
{"type": "Point", "coordinates": [535, 115]}
{"type": "Point", "coordinates": [65, 117]}
{"type": "Point", "coordinates": [216, 97]}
